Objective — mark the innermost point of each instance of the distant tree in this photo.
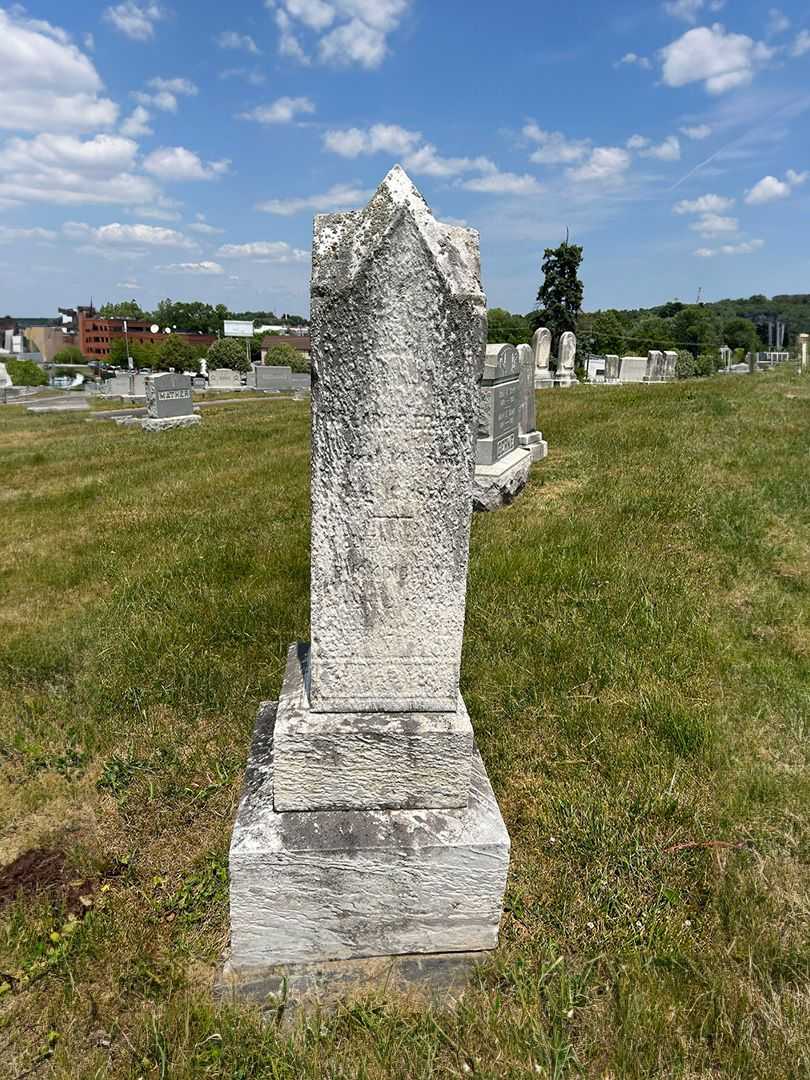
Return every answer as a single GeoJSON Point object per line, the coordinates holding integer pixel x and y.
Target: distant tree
{"type": "Point", "coordinates": [71, 354]}
{"type": "Point", "coordinates": [284, 355]}
{"type": "Point", "coordinates": [651, 332]}
{"type": "Point", "coordinates": [607, 334]}
{"type": "Point", "coordinates": [175, 352]}
{"type": "Point", "coordinates": [26, 373]}
{"type": "Point", "coordinates": [560, 296]}
{"type": "Point", "coordinates": [228, 353]}
{"type": "Point", "coordinates": [504, 328]}
{"type": "Point", "coordinates": [741, 334]}
{"type": "Point", "coordinates": [666, 311]}
{"type": "Point", "coordinates": [123, 309]}
{"type": "Point", "coordinates": [191, 315]}
{"type": "Point", "coordinates": [697, 328]}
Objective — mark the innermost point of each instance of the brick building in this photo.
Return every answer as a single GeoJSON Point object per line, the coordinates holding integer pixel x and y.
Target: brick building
{"type": "Point", "coordinates": [95, 335]}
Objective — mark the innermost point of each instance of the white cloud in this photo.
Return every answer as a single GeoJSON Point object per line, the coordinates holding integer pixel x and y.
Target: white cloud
{"type": "Point", "coordinates": [138, 23]}
{"type": "Point", "coordinates": [778, 22]}
{"type": "Point", "coordinates": [426, 161]}
{"type": "Point", "coordinates": [133, 285]}
{"type": "Point", "coordinates": [47, 83]}
{"type": "Point", "coordinates": [66, 170]}
{"type": "Point", "coordinates": [178, 163]}
{"type": "Point", "coordinates": [554, 148]}
{"type": "Point", "coordinates": [345, 32]}
{"type": "Point", "coordinates": [698, 132]}
{"type": "Point", "coordinates": [637, 142]}
{"type": "Point", "coordinates": [339, 197]}
{"type": "Point", "coordinates": [207, 266]}
{"type": "Point", "coordinates": [255, 78]}
{"type": "Point", "coordinates": [205, 229]}
{"type": "Point", "coordinates": [264, 251]}
{"type": "Point", "coordinates": [9, 236]}
{"type": "Point", "coordinates": [634, 58]}
{"type": "Point", "coordinates": [668, 150]}
{"type": "Point", "coordinates": [504, 183]}
{"type": "Point", "coordinates": [802, 44]}
{"type": "Point", "coordinates": [89, 42]}
{"type": "Point", "coordinates": [711, 55]}
{"type": "Point", "coordinates": [748, 247]}
{"type": "Point", "coordinates": [230, 39]}
{"type": "Point", "coordinates": [137, 123]}
{"type": "Point", "coordinates": [606, 164]}
{"type": "Point", "coordinates": [770, 188]}
{"type": "Point", "coordinates": [387, 138]}
{"type": "Point", "coordinates": [282, 111]}
{"type": "Point", "coordinates": [165, 93]}
{"type": "Point", "coordinates": [116, 234]}
{"type": "Point", "coordinates": [706, 204]}
{"type": "Point", "coordinates": [715, 225]}
{"type": "Point", "coordinates": [689, 10]}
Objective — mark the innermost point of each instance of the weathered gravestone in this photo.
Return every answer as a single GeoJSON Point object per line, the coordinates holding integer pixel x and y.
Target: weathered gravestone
{"type": "Point", "coordinates": [804, 339]}
{"type": "Point", "coordinates": [169, 403]}
{"type": "Point", "coordinates": [612, 369]}
{"type": "Point", "coordinates": [566, 375]}
{"type": "Point", "coordinates": [501, 464]}
{"type": "Point", "coordinates": [126, 384]}
{"type": "Point", "coordinates": [5, 378]}
{"type": "Point", "coordinates": [266, 377]}
{"type": "Point", "coordinates": [368, 843]}
{"type": "Point", "coordinates": [670, 365]}
{"type": "Point", "coordinates": [634, 369]}
{"type": "Point", "coordinates": [224, 379]}
{"type": "Point", "coordinates": [528, 435]}
{"type": "Point", "coordinates": [655, 367]}
{"type": "Point", "coordinates": [541, 344]}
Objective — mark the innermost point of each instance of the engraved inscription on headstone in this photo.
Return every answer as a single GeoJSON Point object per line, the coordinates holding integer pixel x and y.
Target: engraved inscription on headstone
{"type": "Point", "coordinates": [168, 396]}
{"type": "Point", "coordinates": [498, 405]}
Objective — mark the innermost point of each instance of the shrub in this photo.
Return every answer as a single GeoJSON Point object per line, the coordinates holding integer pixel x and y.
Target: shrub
{"type": "Point", "coordinates": [284, 355]}
{"type": "Point", "coordinates": [228, 353]}
{"type": "Point", "coordinates": [71, 354]}
{"type": "Point", "coordinates": [26, 373]}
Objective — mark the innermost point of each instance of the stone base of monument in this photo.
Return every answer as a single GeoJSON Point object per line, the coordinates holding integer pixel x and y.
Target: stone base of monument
{"type": "Point", "coordinates": [535, 442]}
{"type": "Point", "coordinates": [497, 485]}
{"type": "Point", "coordinates": [362, 761]}
{"type": "Point", "coordinates": [544, 382]}
{"type": "Point", "coordinates": [564, 382]}
{"type": "Point", "coordinates": [167, 423]}
{"type": "Point", "coordinates": [437, 979]}
{"type": "Point", "coordinates": [330, 901]}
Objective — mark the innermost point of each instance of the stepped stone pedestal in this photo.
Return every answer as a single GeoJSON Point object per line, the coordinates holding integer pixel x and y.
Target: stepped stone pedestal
{"type": "Point", "coordinates": [368, 850]}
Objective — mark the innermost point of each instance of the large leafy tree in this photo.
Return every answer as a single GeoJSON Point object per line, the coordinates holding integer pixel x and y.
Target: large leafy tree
{"type": "Point", "coordinates": [697, 328]}
{"type": "Point", "coordinates": [71, 354]}
{"type": "Point", "coordinates": [228, 353]}
{"type": "Point", "coordinates": [741, 334]}
{"type": "Point", "coordinates": [607, 334]}
{"type": "Point", "coordinates": [507, 329]}
{"type": "Point", "coordinates": [560, 296]}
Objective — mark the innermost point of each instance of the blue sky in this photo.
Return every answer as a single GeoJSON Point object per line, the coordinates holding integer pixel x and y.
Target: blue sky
{"type": "Point", "coordinates": [180, 149]}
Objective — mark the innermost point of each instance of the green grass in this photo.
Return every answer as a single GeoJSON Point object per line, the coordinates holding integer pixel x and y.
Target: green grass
{"type": "Point", "coordinates": [637, 665]}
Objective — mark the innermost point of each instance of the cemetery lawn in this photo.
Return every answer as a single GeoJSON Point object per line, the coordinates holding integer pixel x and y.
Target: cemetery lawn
{"type": "Point", "coordinates": [637, 667]}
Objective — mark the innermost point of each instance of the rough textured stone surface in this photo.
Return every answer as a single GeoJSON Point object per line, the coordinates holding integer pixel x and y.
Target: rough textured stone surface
{"type": "Point", "coordinates": [499, 403]}
{"type": "Point", "coordinates": [168, 396]}
{"type": "Point", "coordinates": [437, 979]}
{"type": "Point", "coordinates": [398, 331]}
{"type": "Point", "coordinates": [670, 360]}
{"type": "Point", "coordinates": [342, 884]}
{"type": "Point", "coordinates": [150, 424]}
{"type": "Point", "coordinates": [633, 369]}
{"type": "Point", "coordinates": [366, 760]}
{"type": "Point", "coordinates": [566, 375]}
{"type": "Point", "coordinates": [498, 485]}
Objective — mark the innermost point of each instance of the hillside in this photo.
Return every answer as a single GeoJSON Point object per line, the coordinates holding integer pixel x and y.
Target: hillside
{"type": "Point", "coordinates": [637, 662]}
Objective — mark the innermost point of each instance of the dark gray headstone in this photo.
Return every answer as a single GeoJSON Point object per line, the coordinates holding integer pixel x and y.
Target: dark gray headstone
{"type": "Point", "coordinates": [168, 396]}
{"type": "Point", "coordinates": [498, 405]}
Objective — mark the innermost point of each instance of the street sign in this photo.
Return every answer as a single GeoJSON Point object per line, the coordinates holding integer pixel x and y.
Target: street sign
{"type": "Point", "coordinates": [235, 328]}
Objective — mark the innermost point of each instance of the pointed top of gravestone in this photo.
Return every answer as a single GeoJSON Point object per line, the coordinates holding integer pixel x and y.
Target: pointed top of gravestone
{"type": "Point", "coordinates": [345, 243]}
